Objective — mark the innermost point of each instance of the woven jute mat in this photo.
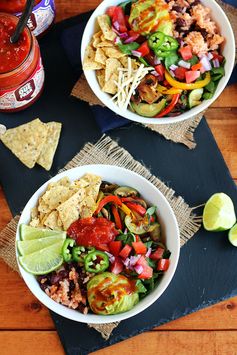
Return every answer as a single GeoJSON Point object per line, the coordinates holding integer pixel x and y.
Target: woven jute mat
{"type": "Point", "coordinates": [182, 132]}
{"type": "Point", "coordinates": [107, 151]}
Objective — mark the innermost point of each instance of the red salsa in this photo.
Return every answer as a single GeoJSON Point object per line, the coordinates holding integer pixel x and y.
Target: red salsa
{"type": "Point", "coordinates": [13, 6]}
{"type": "Point", "coordinates": [91, 231]}
{"type": "Point", "coordinates": [12, 54]}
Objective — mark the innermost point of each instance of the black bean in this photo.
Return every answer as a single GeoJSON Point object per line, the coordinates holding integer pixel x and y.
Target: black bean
{"type": "Point", "coordinates": [43, 286]}
{"type": "Point", "coordinates": [177, 8]}
{"type": "Point", "coordinates": [63, 274]}
{"type": "Point", "coordinates": [180, 22]}
{"type": "Point", "coordinates": [55, 278]}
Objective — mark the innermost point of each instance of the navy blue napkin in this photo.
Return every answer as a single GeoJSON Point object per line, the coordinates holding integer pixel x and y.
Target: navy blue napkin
{"type": "Point", "coordinates": [105, 118]}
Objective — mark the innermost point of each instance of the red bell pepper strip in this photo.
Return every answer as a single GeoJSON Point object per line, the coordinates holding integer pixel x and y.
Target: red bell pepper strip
{"type": "Point", "coordinates": [157, 254]}
{"type": "Point", "coordinates": [136, 207]}
{"type": "Point", "coordinates": [139, 247]}
{"type": "Point", "coordinates": [163, 265]}
{"type": "Point", "coordinates": [170, 107]}
{"type": "Point", "coordinates": [143, 49]}
{"type": "Point", "coordinates": [111, 198]}
{"type": "Point", "coordinates": [115, 247]}
{"type": "Point", "coordinates": [124, 253]}
{"type": "Point", "coordinates": [117, 218]}
{"type": "Point", "coordinates": [118, 19]}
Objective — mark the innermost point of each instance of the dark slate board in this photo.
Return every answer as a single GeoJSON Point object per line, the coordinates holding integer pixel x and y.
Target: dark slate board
{"type": "Point", "coordinates": [206, 272]}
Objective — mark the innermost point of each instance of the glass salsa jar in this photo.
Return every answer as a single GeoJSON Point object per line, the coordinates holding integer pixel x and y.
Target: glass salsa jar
{"type": "Point", "coordinates": [21, 69]}
{"type": "Point", "coordinates": [42, 16]}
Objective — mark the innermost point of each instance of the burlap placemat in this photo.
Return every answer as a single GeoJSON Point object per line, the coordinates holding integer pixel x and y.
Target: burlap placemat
{"type": "Point", "coordinates": [107, 151]}
{"type": "Point", "coordinates": [182, 132]}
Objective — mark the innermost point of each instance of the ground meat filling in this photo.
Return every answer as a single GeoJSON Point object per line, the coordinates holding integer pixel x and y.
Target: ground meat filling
{"type": "Point", "coordinates": [194, 26]}
{"type": "Point", "coordinates": [67, 286]}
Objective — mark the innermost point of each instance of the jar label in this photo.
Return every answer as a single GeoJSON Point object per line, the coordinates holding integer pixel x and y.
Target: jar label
{"type": "Point", "coordinates": [42, 16]}
{"type": "Point", "coordinates": [24, 94]}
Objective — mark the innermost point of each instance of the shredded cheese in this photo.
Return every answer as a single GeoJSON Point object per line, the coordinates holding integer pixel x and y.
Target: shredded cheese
{"type": "Point", "coordinates": [128, 80]}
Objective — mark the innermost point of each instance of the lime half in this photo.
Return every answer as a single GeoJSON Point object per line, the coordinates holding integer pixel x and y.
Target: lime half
{"type": "Point", "coordinates": [29, 233]}
{"type": "Point", "coordinates": [219, 213]}
{"type": "Point", "coordinates": [26, 247]}
{"type": "Point", "coordinates": [233, 235]}
{"type": "Point", "coordinates": [44, 260]}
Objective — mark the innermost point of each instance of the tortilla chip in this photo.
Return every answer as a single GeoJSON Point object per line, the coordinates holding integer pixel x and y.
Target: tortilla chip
{"type": "Point", "coordinates": [104, 23]}
{"type": "Point", "coordinates": [113, 52]}
{"type": "Point", "coordinates": [52, 221]}
{"type": "Point", "coordinates": [93, 184]}
{"type": "Point", "coordinates": [111, 67]}
{"type": "Point", "coordinates": [69, 210]}
{"type": "Point", "coordinates": [100, 74]}
{"type": "Point", "coordinates": [62, 182]}
{"type": "Point", "coordinates": [124, 61]}
{"type": "Point", "coordinates": [110, 87]}
{"type": "Point", "coordinates": [26, 141]}
{"type": "Point", "coordinates": [89, 62]}
{"type": "Point", "coordinates": [105, 44]}
{"type": "Point", "coordinates": [100, 56]}
{"type": "Point", "coordinates": [47, 154]}
{"type": "Point", "coordinates": [56, 196]}
{"type": "Point", "coordinates": [35, 223]}
{"type": "Point", "coordinates": [96, 39]}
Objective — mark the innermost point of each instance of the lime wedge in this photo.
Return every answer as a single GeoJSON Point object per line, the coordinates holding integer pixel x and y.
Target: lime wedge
{"type": "Point", "coordinates": [26, 247]}
{"type": "Point", "coordinates": [44, 260]}
{"type": "Point", "coordinates": [29, 233]}
{"type": "Point", "coordinates": [219, 213]}
{"type": "Point", "coordinates": [233, 235]}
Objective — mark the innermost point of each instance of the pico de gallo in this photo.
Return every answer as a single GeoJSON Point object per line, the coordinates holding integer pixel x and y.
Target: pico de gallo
{"type": "Point", "coordinates": [110, 260]}
{"type": "Point", "coordinates": [179, 44]}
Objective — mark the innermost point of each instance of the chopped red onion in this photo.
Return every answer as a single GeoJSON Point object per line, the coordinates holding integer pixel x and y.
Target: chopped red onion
{"type": "Point", "coordinates": [117, 40]}
{"type": "Point", "coordinates": [112, 259]}
{"type": "Point", "coordinates": [148, 253]}
{"type": "Point", "coordinates": [173, 67]}
{"type": "Point", "coordinates": [205, 63]}
{"type": "Point", "coordinates": [184, 64]}
{"type": "Point", "coordinates": [136, 54]}
{"type": "Point", "coordinates": [216, 63]}
{"type": "Point", "coordinates": [116, 25]}
{"type": "Point", "coordinates": [126, 262]}
{"type": "Point", "coordinates": [172, 73]}
{"type": "Point", "coordinates": [125, 231]}
{"type": "Point", "coordinates": [201, 55]}
{"type": "Point", "coordinates": [132, 38]}
{"type": "Point", "coordinates": [138, 269]}
{"type": "Point", "coordinates": [121, 35]}
{"type": "Point", "coordinates": [134, 259]}
{"type": "Point", "coordinates": [184, 10]}
{"type": "Point", "coordinates": [182, 43]}
{"type": "Point", "coordinates": [153, 72]}
{"type": "Point", "coordinates": [156, 60]}
{"type": "Point", "coordinates": [209, 56]}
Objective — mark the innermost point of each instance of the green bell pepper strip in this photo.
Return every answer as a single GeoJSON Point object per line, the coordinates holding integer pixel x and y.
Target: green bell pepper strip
{"type": "Point", "coordinates": [156, 40]}
{"type": "Point", "coordinates": [68, 244]}
{"type": "Point", "coordinates": [96, 262]}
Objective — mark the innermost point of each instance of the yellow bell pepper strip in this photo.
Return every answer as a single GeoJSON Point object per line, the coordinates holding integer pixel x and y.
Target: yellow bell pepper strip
{"type": "Point", "coordinates": [170, 107]}
{"type": "Point", "coordinates": [126, 210]}
{"type": "Point", "coordinates": [177, 84]}
{"type": "Point", "coordinates": [171, 91]}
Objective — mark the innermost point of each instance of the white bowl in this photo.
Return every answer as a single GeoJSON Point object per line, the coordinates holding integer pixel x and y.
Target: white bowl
{"type": "Point", "coordinates": [169, 229]}
{"type": "Point", "coordinates": [228, 51]}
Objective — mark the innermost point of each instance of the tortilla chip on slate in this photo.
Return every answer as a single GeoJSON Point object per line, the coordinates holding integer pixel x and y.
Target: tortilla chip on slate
{"type": "Point", "coordinates": [49, 148]}
{"type": "Point", "coordinates": [104, 23]}
{"type": "Point", "coordinates": [26, 141]}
